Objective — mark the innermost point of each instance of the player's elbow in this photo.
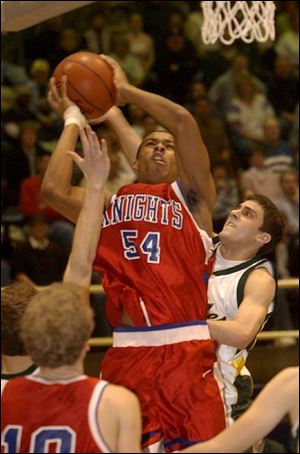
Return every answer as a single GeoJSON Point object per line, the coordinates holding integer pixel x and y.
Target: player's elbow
{"type": "Point", "coordinates": [183, 118]}
{"type": "Point", "coordinates": [244, 338]}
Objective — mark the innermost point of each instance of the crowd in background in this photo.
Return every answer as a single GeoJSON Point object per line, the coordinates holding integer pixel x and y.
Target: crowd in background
{"type": "Point", "coordinates": [244, 98]}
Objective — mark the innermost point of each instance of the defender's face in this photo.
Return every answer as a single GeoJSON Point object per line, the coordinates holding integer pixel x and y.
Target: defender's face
{"type": "Point", "coordinates": [156, 162]}
{"type": "Point", "coordinates": [244, 223]}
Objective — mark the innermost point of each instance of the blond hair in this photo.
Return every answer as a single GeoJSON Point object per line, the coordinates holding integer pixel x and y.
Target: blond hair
{"type": "Point", "coordinates": [56, 325]}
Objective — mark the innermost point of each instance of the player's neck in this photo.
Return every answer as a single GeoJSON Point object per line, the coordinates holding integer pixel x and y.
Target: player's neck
{"type": "Point", "coordinates": [230, 252]}
{"type": "Point", "coordinates": [63, 372]}
{"type": "Point", "coordinates": [14, 364]}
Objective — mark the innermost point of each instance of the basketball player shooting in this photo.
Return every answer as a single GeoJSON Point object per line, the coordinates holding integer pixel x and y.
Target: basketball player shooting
{"type": "Point", "coordinates": [155, 302]}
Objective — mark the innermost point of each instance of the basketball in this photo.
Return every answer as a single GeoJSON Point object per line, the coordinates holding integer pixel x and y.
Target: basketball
{"type": "Point", "coordinates": [89, 84]}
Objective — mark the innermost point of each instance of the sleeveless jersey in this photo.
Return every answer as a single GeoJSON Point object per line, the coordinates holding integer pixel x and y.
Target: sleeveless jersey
{"type": "Point", "coordinates": [225, 294]}
{"type": "Point", "coordinates": [46, 416]}
{"type": "Point", "coordinates": [154, 258]}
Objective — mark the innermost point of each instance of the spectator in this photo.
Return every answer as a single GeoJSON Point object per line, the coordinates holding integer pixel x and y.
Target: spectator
{"type": "Point", "coordinates": [98, 35]}
{"type": "Point", "coordinates": [130, 64]}
{"type": "Point", "coordinates": [213, 130]}
{"type": "Point", "coordinates": [31, 203]}
{"type": "Point", "coordinates": [246, 115]}
{"type": "Point", "coordinates": [259, 179]}
{"type": "Point", "coordinates": [288, 44]}
{"type": "Point", "coordinates": [283, 93]}
{"type": "Point", "coordinates": [69, 41]}
{"type": "Point", "coordinates": [141, 43]}
{"type": "Point", "coordinates": [178, 68]}
{"type": "Point", "coordinates": [223, 89]}
{"type": "Point", "coordinates": [19, 161]}
{"type": "Point", "coordinates": [227, 195]}
{"type": "Point", "coordinates": [38, 261]}
{"type": "Point", "coordinates": [288, 204]}
{"type": "Point", "coordinates": [279, 155]}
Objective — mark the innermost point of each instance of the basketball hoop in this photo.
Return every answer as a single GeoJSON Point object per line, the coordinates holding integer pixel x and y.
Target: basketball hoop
{"type": "Point", "coordinates": [229, 21]}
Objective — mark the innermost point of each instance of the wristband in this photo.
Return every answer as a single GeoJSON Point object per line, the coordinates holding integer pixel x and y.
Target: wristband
{"type": "Point", "coordinates": [73, 116]}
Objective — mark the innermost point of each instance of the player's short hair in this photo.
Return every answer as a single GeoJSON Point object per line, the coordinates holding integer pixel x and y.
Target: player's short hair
{"type": "Point", "coordinates": [273, 222]}
{"type": "Point", "coordinates": [57, 323]}
{"type": "Point", "coordinates": [14, 301]}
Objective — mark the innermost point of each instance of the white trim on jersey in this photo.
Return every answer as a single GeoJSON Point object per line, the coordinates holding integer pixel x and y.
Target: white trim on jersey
{"type": "Point", "coordinates": [206, 239]}
{"type": "Point", "coordinates": [157, 337]}
{"type": "Point", "coordinates": [49, 381]}
{"type": "Point", "coordinates": [94, 423]}
{"type": "Point", "coordinates": [3, 384]}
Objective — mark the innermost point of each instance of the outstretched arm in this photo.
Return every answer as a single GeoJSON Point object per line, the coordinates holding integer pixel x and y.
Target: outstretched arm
{"type": "Point", "coordinates": [191, 154]}
{"type": "Point", "coordinates": [279, 397]}
{"type": "Point", "coordinates": [95, 167]}
{"type": "Point", "coordinates": [57, 190]}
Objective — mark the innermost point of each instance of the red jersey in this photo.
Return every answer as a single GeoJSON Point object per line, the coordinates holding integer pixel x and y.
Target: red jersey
{"type": "Point", "coordinates": [154, 259]}
{"type": "Point", "coordinates": [30, 199]}
{"type": "Point", "coordinates": [46, 416]}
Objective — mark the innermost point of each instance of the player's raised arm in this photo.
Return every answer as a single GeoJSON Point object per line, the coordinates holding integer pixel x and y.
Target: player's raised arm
{"type": "Point", "coordinates": [191, 154]}
{"type": "Point", "coordinates": [95, 167]}
{"type": "Point", "coordinates": [57, 190]}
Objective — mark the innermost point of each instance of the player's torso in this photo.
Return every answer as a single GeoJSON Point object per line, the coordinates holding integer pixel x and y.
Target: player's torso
{"type": "Point", "coordinates": [152, 250]}
{"type": "Point", "coordinates": [41, 416]}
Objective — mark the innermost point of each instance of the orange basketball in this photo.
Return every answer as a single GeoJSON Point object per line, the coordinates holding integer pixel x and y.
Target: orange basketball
{"type": "Point", "coordinates": [89, 84]}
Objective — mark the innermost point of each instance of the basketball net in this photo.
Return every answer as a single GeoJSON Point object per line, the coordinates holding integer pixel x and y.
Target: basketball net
{"type": "Point", "coordinates": [228, 21]}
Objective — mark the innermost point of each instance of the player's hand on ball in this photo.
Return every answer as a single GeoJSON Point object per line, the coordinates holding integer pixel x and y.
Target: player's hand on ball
{"type": "Point", "coordinates": [57, 96]}
{"type": "Point", "coordinates": [120, 79]}
{"type": "Point", "coordinates": [108, 116]}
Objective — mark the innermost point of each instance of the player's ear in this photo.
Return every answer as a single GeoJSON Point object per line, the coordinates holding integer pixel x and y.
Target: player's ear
{"type": "Point", "coordinates": [263, 238]}
{"type": "Point", "coordinates": [135, 166]}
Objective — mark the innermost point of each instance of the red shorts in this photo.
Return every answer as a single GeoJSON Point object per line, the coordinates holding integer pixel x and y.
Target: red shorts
{"type": "Point", "coordinates": [171, 370]}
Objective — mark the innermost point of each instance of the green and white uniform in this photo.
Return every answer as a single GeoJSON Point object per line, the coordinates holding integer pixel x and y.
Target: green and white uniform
{"type": "Point", "coordinates": [225, 294]}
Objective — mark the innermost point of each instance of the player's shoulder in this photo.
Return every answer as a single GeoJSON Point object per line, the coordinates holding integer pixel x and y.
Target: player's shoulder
{"type": "Point", "coordinates": [120, 396]}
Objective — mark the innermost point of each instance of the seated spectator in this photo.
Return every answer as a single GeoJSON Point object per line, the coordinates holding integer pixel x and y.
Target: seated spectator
{"type": "Point", "coordinates": [12, 74]}
{"type": "Point", "coordinates": [288, 44]}
{"type": "Point", "coordinates": [175, 66]}
{"type": "Point", "coordinates": [288, 204]}
{"type": "Point", "coordinates": [141, 44]}
{"type": "Point", "coordinates": [98, 34]}
{"type": "Point", "coordinates": [246, 115]}
{"type": "Point", "coordinates": [19, 162]}
{"type": "Point", "coordinates": [195, 90]}
{"type": "Point", "coordinates": [131, 65]}
{"type": "Point", "coordinates": [227, 195]}
{"type": "Point", "coordinates": [223, 90]}
{"type": "Point", "coordinates": [31, 203]}
{"type": "Point", "coordinates": [283, 93]}
{"type": "Point", "coordinates": [69, 41]}
{"type": "Point", "coordinates": [213, 131]}
{"type": "Point", "coordinates": [259, 178]}
{"type": "Point", "coordinates": [279, 155]}
{"type": "Point", "coordinates": [39, 260]}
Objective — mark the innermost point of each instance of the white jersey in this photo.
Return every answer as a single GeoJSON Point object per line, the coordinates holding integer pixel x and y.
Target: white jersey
{"type": "Point", "coordinates": [225, 294]}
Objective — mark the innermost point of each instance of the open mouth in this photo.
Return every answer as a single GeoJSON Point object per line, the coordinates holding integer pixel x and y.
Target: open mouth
{"type": "Point", "coordinates": [159, 160]}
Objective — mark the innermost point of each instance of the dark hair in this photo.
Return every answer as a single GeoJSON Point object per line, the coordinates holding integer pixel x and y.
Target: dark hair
{"type": "Point", "coordinates": [14, 300]}
{"type": "Point", "coordinates": [273, 222]}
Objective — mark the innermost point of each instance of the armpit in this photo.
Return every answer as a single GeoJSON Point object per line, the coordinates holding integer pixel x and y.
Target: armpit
{"type": "Point", "coordinates": [193, 198]}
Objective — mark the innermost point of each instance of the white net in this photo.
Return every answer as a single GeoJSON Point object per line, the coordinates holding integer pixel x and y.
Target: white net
{"type": "Point", "coordinates": [228, 21]}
